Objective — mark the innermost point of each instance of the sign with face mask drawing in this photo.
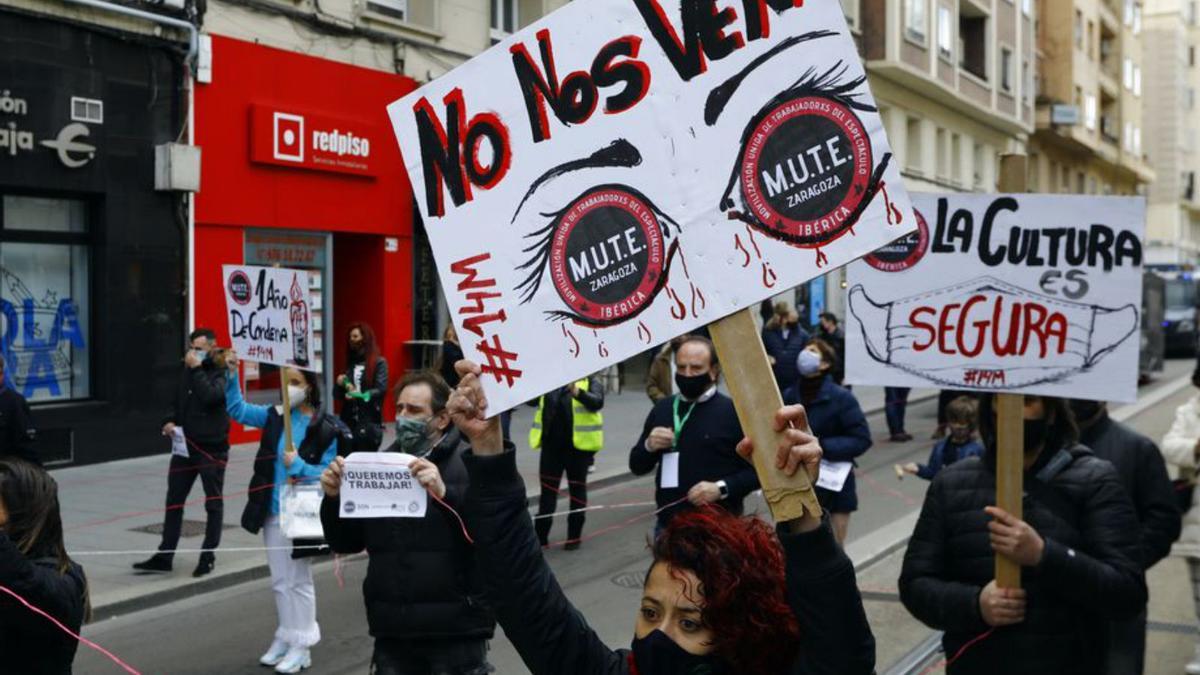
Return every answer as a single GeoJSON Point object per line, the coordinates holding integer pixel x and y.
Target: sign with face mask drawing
{"type": "Point", "coordinates": [624, 171]}
{"type": "Point", "coordinates": [1034, 294]}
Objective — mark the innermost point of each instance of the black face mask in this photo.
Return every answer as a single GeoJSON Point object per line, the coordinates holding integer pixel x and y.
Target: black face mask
{"type": "Point", "coordinates": [1035, 434]}
{"type": "Point", "coordinates": [693, 386]}
{"type": "Point", "coordinates": [1085, 411]}
{"type": "Point", "coordinates": [657, 654]}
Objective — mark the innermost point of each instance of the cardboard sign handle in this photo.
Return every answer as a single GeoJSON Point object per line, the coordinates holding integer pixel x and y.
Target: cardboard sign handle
{"type": "Point", "coordinates": [1010, 416]}
{"type": "Point", "coordinates": [756, 396]}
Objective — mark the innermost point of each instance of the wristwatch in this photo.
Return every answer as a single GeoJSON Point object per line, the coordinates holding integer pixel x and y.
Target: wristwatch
{"type": "Point", "coordinates": [723, 488]}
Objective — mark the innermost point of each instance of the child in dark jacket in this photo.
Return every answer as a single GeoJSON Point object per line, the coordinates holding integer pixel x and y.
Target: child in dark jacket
{"type": "Point", "coordinates": [962, 414]}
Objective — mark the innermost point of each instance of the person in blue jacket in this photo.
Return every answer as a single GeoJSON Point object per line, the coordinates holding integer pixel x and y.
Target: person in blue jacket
{"type": "Point", "coordinates": [835, 418]}
{"type": "Point", "coordinates": [962, 417]}
{"type": "Point", "coordinates": [315, 436]}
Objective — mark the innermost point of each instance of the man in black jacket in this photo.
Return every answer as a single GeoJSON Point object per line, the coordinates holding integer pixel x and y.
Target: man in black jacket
{"type": "Point", "coordinates": [424, 599]}
{"type": "Point", "coordinates": [17, 432]}
{"type": "Point", "coordinates": [1078, 546]}
{"type": "Point", "coordinates": [199, 413]}
{"type": "Point", "coordinates": [691, 439]}
{"type": "Point", "coordinates": [1141, 470]}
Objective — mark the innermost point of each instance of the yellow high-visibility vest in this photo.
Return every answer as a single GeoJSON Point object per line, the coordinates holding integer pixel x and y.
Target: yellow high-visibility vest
{"type": "Point", "coordinates": [588, 433]}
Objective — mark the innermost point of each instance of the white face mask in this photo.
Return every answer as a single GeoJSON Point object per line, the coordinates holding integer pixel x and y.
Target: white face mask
{"type": "Point", "coordinates": [296, 395]}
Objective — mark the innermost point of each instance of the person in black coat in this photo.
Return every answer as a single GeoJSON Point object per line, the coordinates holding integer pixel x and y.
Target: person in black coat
{"type": "Point", "coordinates": [689, 440]}
{"type": "Point", "coordinates": [199, 411]}
{"type": "Point", "coordinates": [783, 338]}
{"type": "Point", "coordinates": [424, 599]}
{"type": "Point", "coordinates": [1078, 546]}
{"type": "Point", "coordinates": [835, 337]}
{"type": "Point", "coordinates": [836, 418]}
{"type": "Point", "coordinates": [759, 603]}
{"type": "Point", "coordinates": [17, 432]}
{"type": "Point", "coordinates": [1141, 469]}
{"type": "Point", "coordinates": [362, 387]}
{"type": "Point", "coordinates": [34, 564]}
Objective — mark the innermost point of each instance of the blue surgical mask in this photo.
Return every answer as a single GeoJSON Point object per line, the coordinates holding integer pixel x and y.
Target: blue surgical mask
{"type": "Point", "coordinates": [808, 363]}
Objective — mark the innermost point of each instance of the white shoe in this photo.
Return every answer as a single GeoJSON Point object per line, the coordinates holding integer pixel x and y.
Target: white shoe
{"type": "Point", "coordinates": [297, 659]}
{"type": "Point", "coordinates": [275, 653]}
{"type": "Point", "coordinates": [1193, 668]}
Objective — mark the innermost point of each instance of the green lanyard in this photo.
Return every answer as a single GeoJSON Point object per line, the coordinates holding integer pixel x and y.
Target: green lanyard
{"type": "Point", "coordinates": [680, 422]}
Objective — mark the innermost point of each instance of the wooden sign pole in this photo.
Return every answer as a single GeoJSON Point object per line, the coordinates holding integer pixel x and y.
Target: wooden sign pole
{"type": "Point", "coordinates": [756, 397]}
{"type": "Point", "coordinates": [1010, 416]}
{"type": "Point", "coordinates": [288, 445]}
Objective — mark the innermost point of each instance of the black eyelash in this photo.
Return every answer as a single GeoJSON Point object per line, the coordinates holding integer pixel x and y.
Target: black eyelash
{"type": "Point", "coordinates": [542, 237]}
{"type": "Point", "coordinates": [719, 97]}
{"type": "Point", "coordinates": [618, 154]}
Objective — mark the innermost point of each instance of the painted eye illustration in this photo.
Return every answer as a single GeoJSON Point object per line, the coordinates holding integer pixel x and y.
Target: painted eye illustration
{"type": "Point", "coordinates": [607, 254]}
{"type": "Point", "coordinates": [806, 170]}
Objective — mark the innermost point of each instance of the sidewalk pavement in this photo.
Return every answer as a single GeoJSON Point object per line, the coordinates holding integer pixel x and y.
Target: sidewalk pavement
{"type": "Point", "coordinates": [112, 512]}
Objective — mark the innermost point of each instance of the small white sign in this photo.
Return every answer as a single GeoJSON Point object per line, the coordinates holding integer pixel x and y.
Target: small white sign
{"type": "Point", "coordinates": [380, 485]}
{"type": "Point", "coordinates": [834, 474]}
{"type": "Point", "coordinates": [179, 443]}
{"type": "Point", "coordinates": [670, 470]}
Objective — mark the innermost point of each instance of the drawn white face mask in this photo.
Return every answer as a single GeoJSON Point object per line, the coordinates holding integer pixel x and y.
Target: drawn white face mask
{"type": "Point", "coordinates": [988, 334]}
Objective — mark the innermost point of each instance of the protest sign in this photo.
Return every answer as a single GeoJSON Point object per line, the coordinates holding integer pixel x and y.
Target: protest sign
{"type": "Point", "coordinates": [1033, 294]}
{"type": "Point", "coordinates": [624, 171]}
{"type": "Point", "coordinates": [269, 317]}
{"type": "Point", "coordinates": [380, 485]}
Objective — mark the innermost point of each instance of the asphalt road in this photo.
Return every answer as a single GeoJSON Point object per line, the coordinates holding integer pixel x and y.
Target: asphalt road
{"type": "Point", "coordinates": [225, 631]}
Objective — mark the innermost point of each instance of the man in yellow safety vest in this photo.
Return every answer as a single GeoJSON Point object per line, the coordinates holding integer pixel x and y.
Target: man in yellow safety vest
{"type": "Point", "coordinates": [569, 429]}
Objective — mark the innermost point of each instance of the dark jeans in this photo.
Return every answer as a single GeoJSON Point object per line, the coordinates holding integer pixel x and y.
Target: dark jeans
{"type": "Point", "coordinates": [895, 401]}
{"type": "Point", "coordinates": [430, 657]}
{"type": "Point", "coordinates": [208, 463]}
{"type": "Point", "coordinates": [1126, 650]}
{"type": "Point", "coordinates": [553, 463]}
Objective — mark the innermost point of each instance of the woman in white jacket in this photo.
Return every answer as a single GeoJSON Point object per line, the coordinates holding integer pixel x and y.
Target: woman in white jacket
{"type": "Point", "coordinates": [1181, 448]}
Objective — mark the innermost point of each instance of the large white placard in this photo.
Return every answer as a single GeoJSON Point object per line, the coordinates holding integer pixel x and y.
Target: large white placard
{"type": "Point", "coordinates": [380, 485]}
{"type": "Point", "coordinates": [1036, 294]}
{"type": "Point", "coordinates": [269, 317]}
{"type": "Point", "coordinates": [624, 171]}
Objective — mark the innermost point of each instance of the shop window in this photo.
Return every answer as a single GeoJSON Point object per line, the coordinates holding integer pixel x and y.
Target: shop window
{"type": "Point", "coordinates": [44, 297]}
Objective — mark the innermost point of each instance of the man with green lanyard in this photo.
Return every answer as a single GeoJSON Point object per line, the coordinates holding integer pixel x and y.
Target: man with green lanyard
{"type": "Point", "coordinates": [569, 429]}
{"type": "Point", "coordinates": [691, 439]}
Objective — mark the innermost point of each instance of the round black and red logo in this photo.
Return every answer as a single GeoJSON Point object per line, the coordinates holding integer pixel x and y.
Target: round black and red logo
{"type": "Point", "coordinates": [607, 256]}
{"type": "Point", "coordinates": [806, 170]}
{"type": "Point", "coordinates": [240, 288]}
{"type": "Point", "coordinates": [904, 252]}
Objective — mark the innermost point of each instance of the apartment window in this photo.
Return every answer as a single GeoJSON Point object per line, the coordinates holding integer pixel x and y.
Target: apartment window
{"type": "Point", "coordinates": [1033, 177]}
{"type": "Point", "coordinates": [1137, 80]}
{"type": "Point", "coordinates": [912, 145]}
{"type": "Point", "coordinates": [916, 19]}
{"type": "Point", "coordinates": [45, 255]}
{"type": "Point", "coordinates": [1137, 141]}
{"type": "Point", "coordinates": [1006, 69]}
{"type": "Point", "coordinates": [956, 168]}
{"type": "Point", "coordinates": [1079, 178]}
{"type": "Point", "coordinates": [1026, 83]}
{"type": "Point", "coordinates": [1129, 12]}
{"type": "Point", "coordinates": [1066, 179]}
{"type": "Point", "coordinates": [1128, 137]}
{"type": "Point", "coordinates": [504, 19]}
{"type": "Point", "coordinates": [1190, 14]}
{"type": "Point", "coordinates": [943, 155]}
{"type": "Point", "coordinates": [1192, 57]}
{"type": "Point", "coordinates": [1137, 19]}
{"type": "Point", "coordinates": [1078, 29]}
{"type": "Point", "coordinates": [972, 41]}
{"type": "Point", "coordinates": [1091, 40]}
{"type": "Point", "coordinates": [393, 8]}
{"type": "Point", "coordinates": [1128, 72]}
{"type": "Point", "coordinates": [1089, 112]}
{"type": "Point", "coordinates": [1027, 7]}
{"type": "Point", "coordinates": [945, 32]}
{"type": "Point", "coordinates": [1189, 98]}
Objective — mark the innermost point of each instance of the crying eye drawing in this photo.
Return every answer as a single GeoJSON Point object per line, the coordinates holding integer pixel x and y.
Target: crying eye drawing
{"type": "Point", "coordinates": [806, 170]}
{"type": "Point", "coordinates": [607, 254]}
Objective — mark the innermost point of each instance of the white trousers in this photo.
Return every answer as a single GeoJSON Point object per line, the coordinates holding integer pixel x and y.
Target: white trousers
{"type": "Point", "coordinates": [292, 582]}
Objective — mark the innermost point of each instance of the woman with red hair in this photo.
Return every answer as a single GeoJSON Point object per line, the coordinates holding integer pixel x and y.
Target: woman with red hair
{"type": "Point", "coordinates": [723, 595]}
{"type": "Point", "coordinates": [362, 388]}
